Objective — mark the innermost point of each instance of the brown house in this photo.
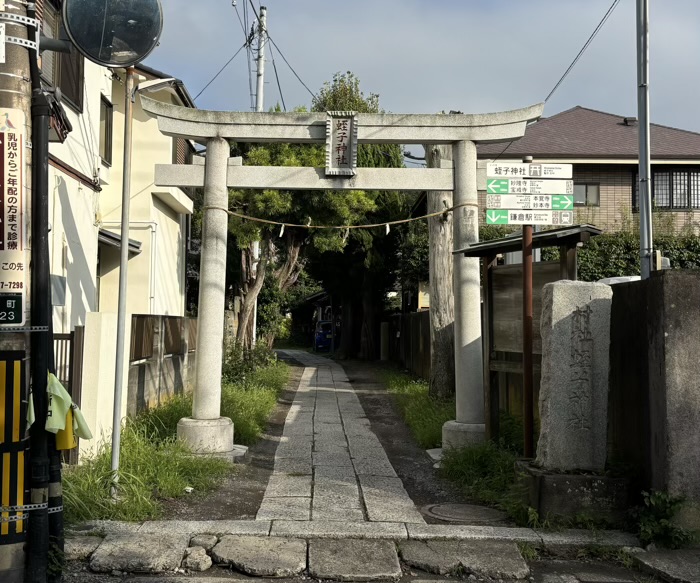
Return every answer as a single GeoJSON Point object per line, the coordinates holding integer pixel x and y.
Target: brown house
{"type": "Point", "coordinates": [603, 148]}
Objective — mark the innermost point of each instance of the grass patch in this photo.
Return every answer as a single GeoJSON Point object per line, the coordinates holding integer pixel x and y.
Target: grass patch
{"type": "Point", "coordinates": [155, 466]}
{"type": "Point", "coordinates": [149, 473]}
{"type": "Point", "coordinates": [485, 472]}
{"type": "Point", "coordinates": [424, 415]}
{"type": "Point", "coordinates": [248, 402]}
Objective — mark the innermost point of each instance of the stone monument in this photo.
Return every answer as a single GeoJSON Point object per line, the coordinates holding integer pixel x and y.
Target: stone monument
{"type": "Point", "coordinates": [575, 329]}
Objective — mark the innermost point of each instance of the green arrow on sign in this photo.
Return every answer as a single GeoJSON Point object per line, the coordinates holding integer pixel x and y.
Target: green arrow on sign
{"type": "Point", "coordinates": [496, 217]}
{"type": "Point", "coordinates": [562, 202]}
{"type": "Point", "coordinates": [500, 186]}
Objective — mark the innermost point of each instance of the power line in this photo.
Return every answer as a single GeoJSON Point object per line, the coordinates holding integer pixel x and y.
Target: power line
{"type": "Point", "coordinates": [220, 71]}
{"type": "Point", "coordinates": [585, 46]}
{"type": "Point", "coordinates": [290, 67]}
{"type": "Point", "coordinates": [279, 87]}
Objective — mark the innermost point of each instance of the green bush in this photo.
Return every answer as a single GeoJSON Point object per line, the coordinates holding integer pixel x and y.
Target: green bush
{"type": "Point", "coordinates": [616, 254]}
{"type": "Point", "coordinates": [424, 415]}
{"type": "Point", "coordinates": [240, 361]}
{"type": "Point", "coordinates": [485, 472]}
{"type": "Point", "coordinates": [655, 519]}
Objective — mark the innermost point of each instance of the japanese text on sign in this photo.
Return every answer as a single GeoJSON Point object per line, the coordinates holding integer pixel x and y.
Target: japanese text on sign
{"type": "Point", "coordinates": [524, 170]}
{"type": "Point", "coordinates": [341, 143]}
{"type": "Point", "coordinates": [13, 237]}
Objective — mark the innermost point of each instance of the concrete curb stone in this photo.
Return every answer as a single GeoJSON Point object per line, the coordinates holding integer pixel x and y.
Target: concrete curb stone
{"type": "Point", "coordinates": [354, 560]}
{"type": "Point", "coordinates": [139, 553]}
{"type": "Point", "coordinates": [271, 557]}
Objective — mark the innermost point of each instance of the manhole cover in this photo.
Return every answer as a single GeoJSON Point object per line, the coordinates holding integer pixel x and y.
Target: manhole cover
{"type": "Point", "coordinates": [465, 513]}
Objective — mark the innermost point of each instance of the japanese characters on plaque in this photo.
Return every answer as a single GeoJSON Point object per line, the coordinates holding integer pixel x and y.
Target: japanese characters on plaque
{"type": "Point", "coordinates": [13, 235]}
{"type": "Point", "coordinates": [341, 143]}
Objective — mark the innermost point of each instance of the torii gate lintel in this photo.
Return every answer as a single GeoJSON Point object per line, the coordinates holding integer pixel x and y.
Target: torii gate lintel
{"type": "Point", "coordinates": [216, 128]}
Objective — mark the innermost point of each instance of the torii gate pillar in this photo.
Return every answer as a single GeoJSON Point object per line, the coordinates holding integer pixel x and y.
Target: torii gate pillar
{"type": "Point", "coordinates": [206, 431]}
{"type": "Point", "coordinates": [469, 427]}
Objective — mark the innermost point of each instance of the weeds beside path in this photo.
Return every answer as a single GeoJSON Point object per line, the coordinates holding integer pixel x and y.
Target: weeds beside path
{"type": "Point", "coordinates": [155, 466]}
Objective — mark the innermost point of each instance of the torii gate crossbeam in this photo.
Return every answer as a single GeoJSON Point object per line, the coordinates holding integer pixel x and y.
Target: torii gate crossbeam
{"type": "Point", "coordinates": [206, 431]}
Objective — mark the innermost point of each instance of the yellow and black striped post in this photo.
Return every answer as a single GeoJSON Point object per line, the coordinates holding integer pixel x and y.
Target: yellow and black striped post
{"type": "Point", "coordinates": [13, 448]}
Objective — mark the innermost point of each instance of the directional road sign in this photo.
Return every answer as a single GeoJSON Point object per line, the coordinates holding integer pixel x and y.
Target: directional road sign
{"type": "Point", "coordinates": [528, 186]}
{"type": "Point", "coordinates": [519, 217]}
{"type": "Point", "coordinates": [524, 170]}
{"type": "Point", "coordinates": [557, 202]}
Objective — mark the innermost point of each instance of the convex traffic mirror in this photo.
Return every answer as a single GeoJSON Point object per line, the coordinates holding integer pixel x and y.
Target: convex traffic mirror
{"type": "Point", "coordinates": [113, 33]}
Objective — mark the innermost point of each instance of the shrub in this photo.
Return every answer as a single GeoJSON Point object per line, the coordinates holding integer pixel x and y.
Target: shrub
{"type": "Point", "coordinates": [240, 361]}
{"type": "Point", "coordinates": [655, 518]}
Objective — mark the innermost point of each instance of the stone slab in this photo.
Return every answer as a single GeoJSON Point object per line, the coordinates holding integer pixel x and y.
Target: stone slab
{"type": "Point", "coordinates": [139, 553]}
{"type": "Point", "coordinates": [206, 541]}
{"type": "Point", "coordinates": [374, 466]}
{"type": "Point", "coordinates": [293, 466]}
{"type": "Point", "coordinates": [284, 509]}
{"type": "Point", "coordinates": [458, 532]}
{"type": "Point", "coordinates": [681, 566]}
{"type": "Point", "coordinates": [79, 548]}
{"type": "Point", "coordinates": [322, 511]}
{"type": "Point", "coordinates": [332, 529]}
{"type": "Point", "coordinates": [332, 459]}
{"type": "Point", "coordinates": [217, 527]}
{"type": "Point", "coordinates": [104, 527]}
{"type": "Point", "coordinates": [354, 560]}
{"type": "Point", "coordinates": [483, 558]}
{"type": "Point", "coordinates": [575, 327]}
{"type": "Point", "coordinates": [340, 474]}
{"type": "Point", "coordinates": [564, 540]}
{"type": "Point", "coordinates": [271, 557]}
{"type": "Point", "coordinates": [285, 485]}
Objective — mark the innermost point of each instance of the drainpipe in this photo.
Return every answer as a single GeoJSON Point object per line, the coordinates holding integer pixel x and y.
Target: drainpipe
{"type": "Point", "coordinates": [153, 226]}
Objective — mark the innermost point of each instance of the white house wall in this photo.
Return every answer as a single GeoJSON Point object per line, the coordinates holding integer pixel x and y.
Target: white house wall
{"type": "Point", "coordinates": [73, 247]}
{"type": "Point", "coordinates": [170, 260]}
{"type": "Point", "coordinates": [74, 206]}
{"type": "Point", "coordinates": [156, 279]}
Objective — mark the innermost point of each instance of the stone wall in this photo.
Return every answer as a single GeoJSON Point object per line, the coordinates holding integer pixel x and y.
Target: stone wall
{"type": "Point", "coordinates": [674, 383]}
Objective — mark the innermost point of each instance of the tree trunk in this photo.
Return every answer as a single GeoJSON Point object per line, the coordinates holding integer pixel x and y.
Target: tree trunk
{"type": "Point", "coordinates": [244, 332]}
{"type": "Point", "coordinates": [368, 333]}
{"type": "Point", "coordinates": [345, 349]}
{"type": "Point", "coordinates": [442, 313]}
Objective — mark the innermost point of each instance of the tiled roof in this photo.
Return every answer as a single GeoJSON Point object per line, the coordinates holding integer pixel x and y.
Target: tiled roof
{"type": "Point", "coordinates": [586, 133]}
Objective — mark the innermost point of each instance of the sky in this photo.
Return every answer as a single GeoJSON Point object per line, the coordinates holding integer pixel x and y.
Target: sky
{"type": "Point", "coordinates": [474, 56]}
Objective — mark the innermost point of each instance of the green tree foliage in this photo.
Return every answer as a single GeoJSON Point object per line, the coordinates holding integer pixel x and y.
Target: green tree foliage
{"type": "Point", "coordinates": [362, 273]}
{"type": "Point", "coordinates": [284, 255]}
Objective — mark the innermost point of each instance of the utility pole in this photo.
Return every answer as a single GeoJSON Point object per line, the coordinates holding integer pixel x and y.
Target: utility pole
{"type": "Point", "coordinates": [528, 414]}
{"type": "Point", "coordinates": [646, 240]}
{"type": "Point", "coordinates": [262, 33]}
{"type": "Point", "coordinates": [259, 104]}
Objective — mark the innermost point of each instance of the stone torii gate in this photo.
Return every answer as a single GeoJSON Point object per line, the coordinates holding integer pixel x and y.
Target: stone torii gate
{"type": "Point", "coordinates": [206, 431]}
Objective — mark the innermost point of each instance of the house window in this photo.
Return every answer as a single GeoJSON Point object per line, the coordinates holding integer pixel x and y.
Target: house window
{"type": "Point", "coordinates": [106, 111]}
{"type": "Point", "coordinates": [62, 70]}
{"type": "Point", "coordinates": [677, 188]}
{"type": "Point", "coordinates": [586, 194]}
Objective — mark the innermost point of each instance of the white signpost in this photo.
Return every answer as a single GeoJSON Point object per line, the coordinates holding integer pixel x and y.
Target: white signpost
{"type": "Point", "coordinates": [557, 202]}
{"type": "Point", "coordinates": [525, 170]}
{"type": "Point", "coordinates": [519, 217]}
{"type": "Point", "coordinates": [528, 186]}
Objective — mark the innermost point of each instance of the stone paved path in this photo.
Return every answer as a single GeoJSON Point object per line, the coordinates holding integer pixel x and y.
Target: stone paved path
{"type": "Point", "coordinates": [329, 465]}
